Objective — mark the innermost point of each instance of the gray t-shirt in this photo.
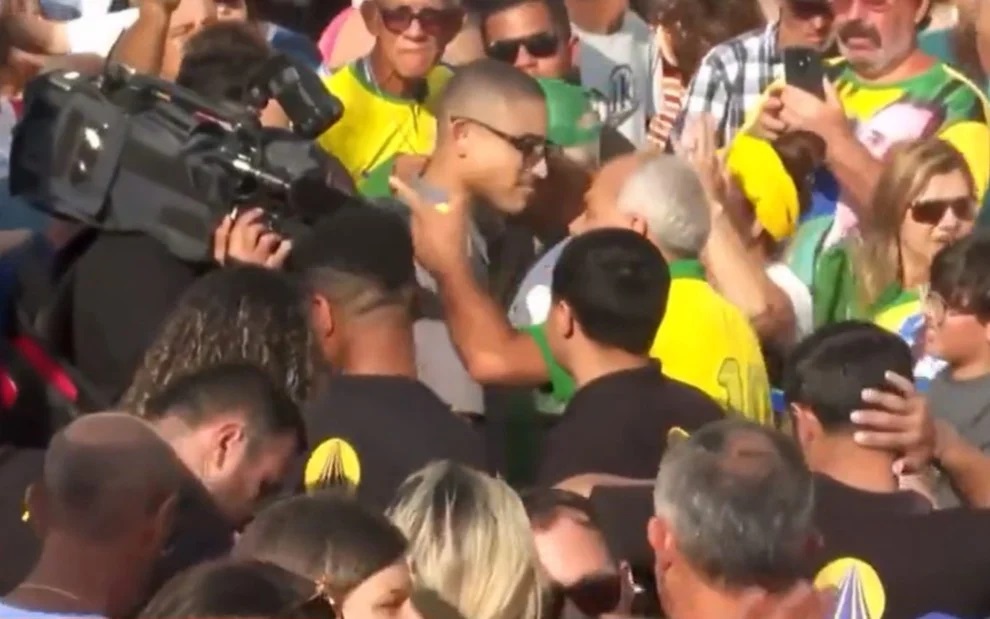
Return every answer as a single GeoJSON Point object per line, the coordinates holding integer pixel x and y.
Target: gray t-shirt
{"type": "Point", "coordinates": [966, 405]}
{"type": "Point", "coordinates": [532, 302]}
{"type": "Point", "coordinates": [437, 362]}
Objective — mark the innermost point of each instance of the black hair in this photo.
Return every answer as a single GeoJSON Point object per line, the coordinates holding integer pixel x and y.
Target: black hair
{"type": "Point", "coordinates": [556, 8]}
{"type": "Point", "coordinates": [828, 370]}
{"type": "Point", "coordinates": [230, 588]}
{"type": "Point", "coordinates": [243, 388]}
{"type": "Point", "coordinates": [218, 60]}
{"type": "Point", "coordinates": [358, 255]}
{"type": "Point", "coordinates": [960, 274]}
{"type": "Point", "coordinates": [545, 505]}
{"type": "Point", "coordinates": [324, 536]}
{"type": "Point", "coordinates": [616, 283]}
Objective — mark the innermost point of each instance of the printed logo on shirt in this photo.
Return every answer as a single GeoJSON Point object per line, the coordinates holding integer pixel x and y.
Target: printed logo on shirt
{"type": "Point", "coordinates": [333, 464]}
{"type": "Point", "coordinates": [860, 591]}
{"type": "Point", "coordinates": [622, 99]}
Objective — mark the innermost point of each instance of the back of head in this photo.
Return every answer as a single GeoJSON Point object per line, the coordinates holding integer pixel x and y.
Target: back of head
{"type": "Point", "coordinates": [219, 61]}
{"type": "Point", "coordinates": [241, 314]}
{"type": "Point", "coordinates": [106, 475]}
{"type": "Point", "coordinates": [828, 371]}
{"type": "Point", "coordinates": [470, 542]}
{"type": "Point", "coordinates": [360, 259]}
{"type": "Point", "coordinates": [325, 536]}
{"type": "Point", "coordinates": [240, 389]}
{"type": "Point", "coordinates": [241, 589]}
{"type": "Point", "coordinates": [616, 284]}
{"type": "Point", "coordinates": [738, 500]}
{"type": "Point", "coordinates": [485, 90]}
{"type": "Point", "coordinates": [668, 196]}
{"type": "Point", "coordinates": [960, 274]}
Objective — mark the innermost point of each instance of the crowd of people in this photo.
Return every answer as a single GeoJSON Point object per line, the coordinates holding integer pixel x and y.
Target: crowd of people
{"type": "Point", "coordinates": [611, 315]}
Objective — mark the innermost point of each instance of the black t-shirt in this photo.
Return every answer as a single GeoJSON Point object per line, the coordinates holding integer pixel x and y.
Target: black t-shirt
{"type": "Point", "coordinates": [123, 288]}
{"type": "Point", "coordinates": [200, 533]}
{"type": "Point", "coordinates": [884, 551]}
{"type": "Point", "coordinates": [19, 468]}
{"type": "Point", "coordinates": [619, 424]}
{"type": "Point", "coordinates": [372, 432]}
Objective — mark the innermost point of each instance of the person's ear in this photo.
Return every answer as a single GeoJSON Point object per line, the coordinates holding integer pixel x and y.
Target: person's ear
{"type": "Point", "coordinates": [564, 321]}
{"type": "Point", "coordinates": [661, 538]}
{"type": "Point", "coordinates": [924, 8]}
{"type": "Point", "coordinates": [163, 523]}
{"type": "Point", "coordinates": [807, 429]}
{"type": "Point", "coordinates": [321, 316]}
{"type": "Point", "coordinates": [461, 132]}
{"type": "Point", "coordinates": [638, 225]}
{"type": "Point", "coordinates": [36, 512]}
{"type": "Point", "coordinates": [574, 51]}
{"type": "Point", "coordinates": [230, 439]}
{"type": "Point", "coordinates": [369, 15]}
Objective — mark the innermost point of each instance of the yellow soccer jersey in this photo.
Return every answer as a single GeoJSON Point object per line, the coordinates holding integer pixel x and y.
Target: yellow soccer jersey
{"type": "Point", "coordinates": [377, 126]}
{"type": "Point", "coordinates": [705, 341]}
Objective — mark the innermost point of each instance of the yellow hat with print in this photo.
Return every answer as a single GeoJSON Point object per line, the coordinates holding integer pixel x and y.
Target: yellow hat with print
{"type": "Point", "coordinates": [767, 185]}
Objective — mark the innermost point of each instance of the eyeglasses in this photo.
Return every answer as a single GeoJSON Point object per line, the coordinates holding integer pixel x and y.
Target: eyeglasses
{"type": "Point", "coordinates": [539, 45]}
{"type": "Point", "coordinates": [594, 595]}
{"type": "Point", "coordinates": [930, 212]}
{"type": "Point", "coordinates": [434, 22]}
{"type": "Point", "coordinates": [533, 148]}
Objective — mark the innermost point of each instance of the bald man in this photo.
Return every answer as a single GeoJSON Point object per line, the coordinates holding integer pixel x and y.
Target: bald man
{"type": "Point", "coordinates": [103, 509]}
{"type": "Point", "coordinates": [491, 139]}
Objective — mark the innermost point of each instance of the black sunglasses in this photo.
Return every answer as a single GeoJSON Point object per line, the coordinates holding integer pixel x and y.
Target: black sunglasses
{"type": "Point", "coordinates": [533, 148]}
{"type": "Point", "coordinates": [539, 45]}
{"type": "Point", "coordinates": [434, 22]}
{"type": "Point", "coordinates": [930, 212]}
{"type": "Point", "coordinates": [591, 596]}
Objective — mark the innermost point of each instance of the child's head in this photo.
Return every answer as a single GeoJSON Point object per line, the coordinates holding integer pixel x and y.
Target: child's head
{"type": "Point", "coordinates": [957, 308]}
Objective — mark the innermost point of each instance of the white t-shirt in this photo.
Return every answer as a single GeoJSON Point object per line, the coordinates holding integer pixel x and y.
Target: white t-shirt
{"type": "Point", "coordinates": [788, 281]}
{"type": "Point", "coordinates": [12, 612]}
{"type": "Point", "coordinates": [622, 70]}
{"type": "Point", "coordinates": [96, 34]}
{"type": "Point", "coordinates": [64, 10]}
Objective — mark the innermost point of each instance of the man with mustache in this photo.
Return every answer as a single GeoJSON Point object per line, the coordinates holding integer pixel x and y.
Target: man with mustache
{"type": "Point", "coordinates": [881, 70]}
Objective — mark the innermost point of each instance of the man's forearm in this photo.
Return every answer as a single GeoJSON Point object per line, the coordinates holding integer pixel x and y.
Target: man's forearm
{"type": "Point", "coordinates": [968, 470]}
{"type": "Point", "coordinates": [492, 351]}
{"type": "Point", "coordinates": [854, 168]}
{"type": "Point", "coordinates": [142, 46]}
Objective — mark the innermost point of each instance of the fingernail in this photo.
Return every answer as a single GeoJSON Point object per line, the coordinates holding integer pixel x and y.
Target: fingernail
{"type": "Point", "coordinates": [859, 437]}
{"type": "Point", "coordinates": [856, 417]}
{"type": "Point", "coordinates": [867, 394]}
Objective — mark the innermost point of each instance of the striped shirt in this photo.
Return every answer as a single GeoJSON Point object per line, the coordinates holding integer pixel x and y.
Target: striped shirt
{"type": "Point", "coordinates": [731, 79]}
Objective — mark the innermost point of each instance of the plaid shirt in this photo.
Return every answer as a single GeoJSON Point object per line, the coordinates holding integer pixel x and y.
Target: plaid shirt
{"type": "Point", "coordinates": [731, 80]}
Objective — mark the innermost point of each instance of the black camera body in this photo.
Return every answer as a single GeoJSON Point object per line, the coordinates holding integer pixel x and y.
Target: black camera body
{"type": "Point", "coordinates": [125, 152]}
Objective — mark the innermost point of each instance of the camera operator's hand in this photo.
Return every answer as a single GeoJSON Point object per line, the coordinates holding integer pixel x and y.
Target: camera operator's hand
{"type": "Point", "coordinates": [245, 237]}
{"type": "Point", "coordinates": [439, 231]}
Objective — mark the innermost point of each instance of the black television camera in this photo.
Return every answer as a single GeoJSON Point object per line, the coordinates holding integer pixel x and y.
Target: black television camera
{"type": "Point", "coordinates": [126, 152]}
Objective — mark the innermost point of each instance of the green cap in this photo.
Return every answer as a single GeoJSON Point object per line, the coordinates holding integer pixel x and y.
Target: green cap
{"type": "Point", "coordinates": [571, 119]}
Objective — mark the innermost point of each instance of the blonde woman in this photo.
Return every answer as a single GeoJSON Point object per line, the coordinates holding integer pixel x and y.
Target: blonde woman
{"type": "Point", "coordinates": [926, 199]}
{"type": "Point", "coordinates": [470, 544]}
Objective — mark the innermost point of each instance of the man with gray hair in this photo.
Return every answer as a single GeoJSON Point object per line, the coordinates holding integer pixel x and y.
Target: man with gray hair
{"type": "Point", "coordinates": [104, 510]}
{"type": "Point", "coordinates": [734, 507]}
{"type": "Point", "coordinates": [703, 340]}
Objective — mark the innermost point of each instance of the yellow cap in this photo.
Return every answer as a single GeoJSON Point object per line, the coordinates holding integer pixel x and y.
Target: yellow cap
{"type": "Point", "coordinates": [766, 184]}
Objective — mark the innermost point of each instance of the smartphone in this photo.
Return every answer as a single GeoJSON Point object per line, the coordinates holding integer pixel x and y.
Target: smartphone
{"type": "Point", "coordinates": [803, 69]}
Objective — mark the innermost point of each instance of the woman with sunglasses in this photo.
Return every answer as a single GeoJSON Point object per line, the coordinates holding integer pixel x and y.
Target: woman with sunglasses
{"type": "Point", "coordinates": [327, 537]}
{"type": "Point", "coordinates": [925, 200]}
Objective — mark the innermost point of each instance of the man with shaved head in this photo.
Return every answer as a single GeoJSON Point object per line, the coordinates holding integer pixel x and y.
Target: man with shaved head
{"type": "Point", "coordinates": [491, 142]}
{"type": "Point", "coordinates": [103, 508]}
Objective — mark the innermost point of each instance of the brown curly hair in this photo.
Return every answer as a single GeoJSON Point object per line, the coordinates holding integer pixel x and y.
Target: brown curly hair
{"type": "Point", "coordinates": [696, 26]}
{"type": "Point", "coordinates": [242, 314]}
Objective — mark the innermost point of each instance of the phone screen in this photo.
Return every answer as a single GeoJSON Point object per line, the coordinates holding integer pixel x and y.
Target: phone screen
{"type": "Point", "coordinates": [803, 69]}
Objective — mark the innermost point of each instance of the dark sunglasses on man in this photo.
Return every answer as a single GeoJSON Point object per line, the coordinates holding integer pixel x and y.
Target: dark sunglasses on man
{"type": "Point", "coordinates": [930, 212]}
{"type": "Point", "coordinates": [538, 45]}
{"type": "Point", "coordinates": [533, 148]}
{"type": "Point", "coordinates": [434, 22]}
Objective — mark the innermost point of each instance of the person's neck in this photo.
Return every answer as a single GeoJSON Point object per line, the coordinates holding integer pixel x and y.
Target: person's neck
{"type": "Point", "coordinates": [915, 270]}
{"type": "Point", "coordinates": [598, 16]}
{"type": "Point", "coordinates": [381, 350]}
{"type": "Point", "coordinates": [57, 585]}
{"type": "Point", "coordinates": [590, 364]}
{"type": "Point", "coordinates": [977, 367]}
{"type": "Point", "coordinates": [440, 172]}
{"type": "Point", "coordinates": [870, 470]}
{"type": "Point", "coordinates": [388, 80]}
{"type": "Point", "coordinates": [707, 600]}
{"type": "Point", "coordinates": [914, 64]}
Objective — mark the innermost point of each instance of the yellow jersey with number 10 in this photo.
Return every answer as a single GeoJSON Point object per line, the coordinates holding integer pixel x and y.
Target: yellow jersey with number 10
{"type": "Point", "coordinates": [377, 126]}
{"type": "Point", "coordinates": [705, 341]}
